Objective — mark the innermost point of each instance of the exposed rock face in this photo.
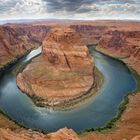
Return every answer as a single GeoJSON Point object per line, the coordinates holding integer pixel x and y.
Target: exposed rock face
{"type": "Point", "coordinates": [7, 134]}
{"type": "Point", "coordinates": [91, 34]}
{"type": "Point", "coordinates": [124, 45]}
{"type": "Point", "coordinates": [63, 72]}
{"type": "Point", "coordinates": [12, 46]}
{"type": "Point", "coordinates": [93, 31]}
{"type": "Point", "coordinates": [16, 40]}
{"type": "Point", "coordinates": [34, 33]}
{"type": "Point", "coordinates": [136, 138]}
{"type": "Point", "coordinates": [62, 134]}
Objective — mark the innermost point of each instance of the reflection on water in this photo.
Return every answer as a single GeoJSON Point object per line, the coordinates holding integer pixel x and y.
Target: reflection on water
{"type": "Point", "coordinates": [118, 83]}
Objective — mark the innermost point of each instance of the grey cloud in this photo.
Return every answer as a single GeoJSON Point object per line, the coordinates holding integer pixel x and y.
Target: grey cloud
{"type": "Point", "coordinates": [74, 5]}
{"type": "Point", "coordinates": [7, 5]}
{"type": "Point", "coordinates": [67, 5]}
{"type": "Point", "coordinates": [70, 8]}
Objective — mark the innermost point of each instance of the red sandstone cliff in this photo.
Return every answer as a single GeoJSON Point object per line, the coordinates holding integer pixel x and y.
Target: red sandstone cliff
{"type": "Point", "coordinates": [62, 73]}
{"type": "Point", "coordinates": [62, 134]}
{"type": "Point", "coordinates": [124, 45]}
{"type": "Point", "coordinates": [16, 40]}
{"type": "Point", "coordinates": [12, 46]}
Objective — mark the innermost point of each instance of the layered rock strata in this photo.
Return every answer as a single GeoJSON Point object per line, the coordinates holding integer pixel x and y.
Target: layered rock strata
{"type": "Point", "coordinates": [12, 46]}
{"type": "Point", "coordinates": [62, 134]}
{"type": "Point", "coordinates": [17, 40]}
{"type": "Point", "coordinates": [62, 74]}
{"type": "Point", "coordinates": [124, 45]}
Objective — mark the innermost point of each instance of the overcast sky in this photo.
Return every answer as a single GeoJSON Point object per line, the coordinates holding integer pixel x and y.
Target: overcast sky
{"type": "Point", "coordinates": [73, 9]}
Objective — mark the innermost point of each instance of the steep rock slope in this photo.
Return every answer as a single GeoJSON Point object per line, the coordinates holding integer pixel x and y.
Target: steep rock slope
{"type": "Point", "coordinates": [64, 71]}
{"type": "Point", "coordinates": [12, 46]}
{"type": "Point", "coordinates": [16, 40]}
{"type": "Point", "coordinates": [62, 134]}
{"type": "Point", "coordinates": [124, 45]}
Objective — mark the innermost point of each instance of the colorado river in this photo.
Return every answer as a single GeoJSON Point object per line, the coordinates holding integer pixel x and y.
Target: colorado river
{"type": "Point", "coordinates": [118, 82]}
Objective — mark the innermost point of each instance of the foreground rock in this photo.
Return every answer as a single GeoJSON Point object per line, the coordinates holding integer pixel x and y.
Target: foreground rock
{"type": "Point", "coordinates": [62, 74]}
{"type": "Point", "coordinates": [62, 134]}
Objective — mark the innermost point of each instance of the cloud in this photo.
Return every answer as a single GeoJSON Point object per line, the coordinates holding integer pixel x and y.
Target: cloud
{"type": "Point", "coordinates": [78, 9]}
{"type": "Point", "coordinates": [21, 8]}
{"type": "Point", "coordinates": [94, 9]}
{"type": "Point", "coordinates": [67, 5]}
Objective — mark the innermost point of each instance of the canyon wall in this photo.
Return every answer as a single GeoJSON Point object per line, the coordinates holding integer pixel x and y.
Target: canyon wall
{"type": "Point", "coordinates": [12, 45]}
{"type": "Point", "coordinates": [90, 34]}
{"type": "Point", "coordinates": [16, 40]}
{"type": "Point", "coordinates": [124, 45]}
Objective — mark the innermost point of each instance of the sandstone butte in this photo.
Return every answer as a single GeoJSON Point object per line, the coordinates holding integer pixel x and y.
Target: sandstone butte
{"type": "Point", "coordinates": [63, 72]}
{"type": "Point", "coordinates": [116, 38]}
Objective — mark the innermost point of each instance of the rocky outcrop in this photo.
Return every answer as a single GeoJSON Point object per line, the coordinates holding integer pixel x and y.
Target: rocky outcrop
{"type": "Point", "coordinates": [92, 31]}
{"type": "Point", "coordinates": [62, 134]}
{"type": "Point", "coordinates": [7, 134]}
{"type": "Point", "coordinates": [12, 46]}
{"type": "Point", "coordinates": [124, 45]}
{"type": "Point", "coordinates": [64, 71]}
{"type": "Point", "coordinates": [35, 33]}
{"type": "Point", "coordinates": [91, 34]}
{"type": "Point", "coordinates": [17, 40]}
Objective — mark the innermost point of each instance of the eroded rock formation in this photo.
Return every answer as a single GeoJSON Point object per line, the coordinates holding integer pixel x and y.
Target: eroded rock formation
{"type": "Point", "coordinates": [17, 40]}
{"type": "Point", "coordinates": [12, 46]}
{"type": "Point", "coordinates": [64, 71]}
{"type": "Point", "coordinates": [62, 134]}
{"type": "Point", "coordinates": [124, 45]}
